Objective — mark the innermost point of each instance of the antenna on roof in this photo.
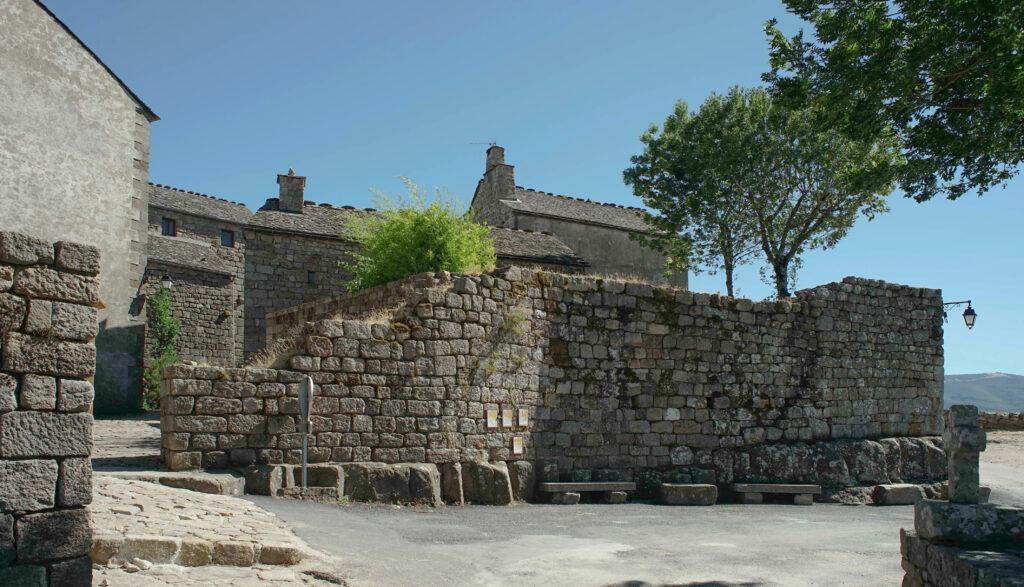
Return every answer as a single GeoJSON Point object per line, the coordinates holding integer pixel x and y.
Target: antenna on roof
{"type": "Point", "coordinates": [489, 143]}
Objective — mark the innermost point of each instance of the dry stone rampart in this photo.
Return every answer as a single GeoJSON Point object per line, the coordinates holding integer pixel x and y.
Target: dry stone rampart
{"type": "Point", "coordinates": [841, 385]}
{"type": "Point", "coordinates": [49, 295]}
{"type": "Point", "coordinates": [1001, 421]}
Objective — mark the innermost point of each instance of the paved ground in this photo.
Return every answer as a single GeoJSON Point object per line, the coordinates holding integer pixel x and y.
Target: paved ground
{"type": "Point", "coordinates": [601, 545]}
{"type": "Point", "coordinates": [126, 443]}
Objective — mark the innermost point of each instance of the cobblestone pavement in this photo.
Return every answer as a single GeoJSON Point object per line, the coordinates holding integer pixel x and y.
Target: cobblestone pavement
{"type": "Point", "coordinates": [140, 528]}
{"type": "Point", "coordinates": [127, 443]}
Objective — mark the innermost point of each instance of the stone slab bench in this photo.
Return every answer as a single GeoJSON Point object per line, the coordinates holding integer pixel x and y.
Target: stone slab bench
{"type": "Point", "coordinates": [754, 492]}
{"type": "Point", "coordinates": [569, 493]}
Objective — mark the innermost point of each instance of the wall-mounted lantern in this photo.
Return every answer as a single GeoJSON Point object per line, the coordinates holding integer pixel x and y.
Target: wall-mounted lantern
{"type": "Point", "coordinates": [165, 282]}
{"type": "Point", "coordinates": [969, 314]}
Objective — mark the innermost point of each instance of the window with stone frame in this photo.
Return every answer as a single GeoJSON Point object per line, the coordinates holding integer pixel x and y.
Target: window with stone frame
{"type": "Point", "coordinates": [311, 277]}
{"type": "Point", "coordinates": [168, 227]}
{"type": "Point", "coordinates": [227, 238]}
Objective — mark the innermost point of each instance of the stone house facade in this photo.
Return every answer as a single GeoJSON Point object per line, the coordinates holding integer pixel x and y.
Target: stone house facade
{"type": "Point", "coordinates": [598, 233]}
{"type": "Point", "coordinates": [75, 165]}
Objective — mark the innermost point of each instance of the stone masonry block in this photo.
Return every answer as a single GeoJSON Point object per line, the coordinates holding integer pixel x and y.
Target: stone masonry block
{"type": "Point", "coordinates": [74, 321]}
{"type": "Point", "coordinates": [29, 354]}
{"type": "Point", "coordinates": [76, 572]}
{"type": "Point", "coordinates": [51, 535]}
{"type": "Point", "coordinates": [38, 392]}
{"type": "Point", "coordinates": [47, 284]}
{"type": "Point", "coordinates": [75, 395]}
{"type": "Point", "coordinates": [21, 249]}
{"type": "Point", "coordinates": [6, 277]}
{"type": "Point", "coordinates": [27, 486]}
{"type": "Point", "coordinates": [7, 551]}
{"type": "Point", "coordinates": [12, 312]}
{"type": "Point", "coordinates": [74, 488]}
{"type": "Point", "coordinates": [77, 257]}
{"type": "Point", "coordinates": [8, 393]}
{"type": "Point", "coordinates": [39, 318]}
{"type": "Point", "coordinates": [45, 434]}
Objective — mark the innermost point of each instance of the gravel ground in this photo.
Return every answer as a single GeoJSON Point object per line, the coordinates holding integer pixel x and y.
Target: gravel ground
{"type": "Point", "coordinates": [1005, 448]}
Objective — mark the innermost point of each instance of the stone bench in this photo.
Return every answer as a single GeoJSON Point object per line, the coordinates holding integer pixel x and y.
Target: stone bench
{"type": "Point", "coordinates": [754, 492]}
{"type": "Point", "coordinates": [569, 493]}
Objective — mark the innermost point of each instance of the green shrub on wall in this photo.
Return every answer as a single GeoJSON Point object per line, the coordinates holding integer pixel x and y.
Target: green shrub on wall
{"type": "Point", "coordinates": [411, 236]}
{"type": "Point", "coordinates": [163, 330]}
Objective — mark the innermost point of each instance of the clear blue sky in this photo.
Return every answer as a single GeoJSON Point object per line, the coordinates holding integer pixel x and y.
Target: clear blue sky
{"type": "Point", "coordinates": [355, 94]}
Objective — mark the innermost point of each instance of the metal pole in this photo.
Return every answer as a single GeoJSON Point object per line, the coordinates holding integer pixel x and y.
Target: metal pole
{"type": "Point", "coordinates": [305, 456]}
{"type": "Point", "coordinates": [305, 407]}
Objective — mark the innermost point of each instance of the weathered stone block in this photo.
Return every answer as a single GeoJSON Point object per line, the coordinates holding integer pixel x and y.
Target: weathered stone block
{"type": "Point", "coordinates": [218, 406]}
{"type": "Point", "coordinates": [276, 553]}
{"type": "Point", "coordinates": [39, 318]}
{"type": "Point", "coordinates": [183, 461]}
{"type": "Point", "coordinates": [76, 572]}
{"type": "Point", "coordinates": [152, 548]}
{"type": "Point", "coordinates": [247, 424]}
{"type": "Point", "coordinates": [38, 392]}
{"type": "Point", "coordinates": [615, 497]}
{"type": "Point", "coordinates": [12, 312]}
{"type": "Point", "coordinates": [8, 554]}
{"type": "Point", "coordinates": [77, 257]}
{"type": "Point", "coordinates": [21, 249]}
{"type": "Point", "coordinates": [263, 480]}
{"type": "Point", "coordinates": [29, 354]}
{"type": "Point", "coordinates": [74, 321]}
{"type": "Point", "coordinates": [324, 475]}
{"type": "Point", "coordinates": [451, 483]}
{"type": "Point", "coordinates": [27, 486]}
{"type": "Point", "coordinates": [487, 483]}
{"type": "Point", "coordinates": [75, 395]}
{"type": "Point", "coordinates": [234, 554]}
{"type": "Point", "coordinates": [24, 576]}
{"type": "Point", "coordinates": [567, 498]}
{"type": "Point", "coordinates": [6, 277]}
{"type": "Point", "coordinates": [376, 482]}
{"type": "Point", "coordinates": [46, 284]}
{"type": "Point", "coordinates": [45, 434]}
{"type": "Point", "coordinates": [8, 393]}
{"type": "Point", "coordinates": [424, 483]}
{"type": "Point", "coordinates": [195, 553]}
{"type": "Point", "coordinates": [972, 523]}
{"type": "Point", "coordinates": [74, 487]}
{"type": "Point", "coordinates": [50, 535]}
{"type": "Point", "coordinates": [687, 494]}
{"type": "Point", "coordinates": [897, 494]}
{"type": "Point", "coordinates": [201, 424]}
{"type": "Point", "coordinates": [523, 481]}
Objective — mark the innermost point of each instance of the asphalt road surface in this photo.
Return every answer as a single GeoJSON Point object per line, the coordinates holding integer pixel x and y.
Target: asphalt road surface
{"type": "Point", "coordinates": [597, 544]}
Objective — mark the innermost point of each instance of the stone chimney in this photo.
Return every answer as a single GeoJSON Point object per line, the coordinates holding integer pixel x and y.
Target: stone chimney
{"type": "Point", "coordinates": [495, 156]}
{"type": "Point", "coordinates": [290, 195]}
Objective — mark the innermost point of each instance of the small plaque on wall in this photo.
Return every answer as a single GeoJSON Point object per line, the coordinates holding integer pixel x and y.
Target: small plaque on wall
{"type": "Point", "coordinates": [524, 417]}
{"type": "Point", "coordinates": [517, 445]}
{"type": "Point", "coordinates": [492, 418]}
{"type": "Point", "coordinates": [506, 419]}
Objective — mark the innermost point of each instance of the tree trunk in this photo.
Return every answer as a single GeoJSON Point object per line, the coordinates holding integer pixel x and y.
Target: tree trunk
{"type": "Point", "coordinates": [780, 269]}
{"type": "Point", "coordinates": [728, 278]}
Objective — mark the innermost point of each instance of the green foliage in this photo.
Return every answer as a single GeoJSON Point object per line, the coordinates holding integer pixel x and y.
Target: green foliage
{"type": "Point", "coordinates": [163, 330]}
{"type": "Point", "coordinates": [946, 75]}
{"type": "Point", "coordinates": [747, 170]}
{"type": "Point", "coordinates": [413, 236]}
{"type": "Point", "coordinates": [516, 321]}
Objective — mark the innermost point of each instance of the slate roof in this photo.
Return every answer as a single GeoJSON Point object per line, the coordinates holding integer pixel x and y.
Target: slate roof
{"type": "Point", "coordinates": [184, 253]}
{"type": "Point", "coordinates": [533, 246]}
{"type": "Point", "coordinates": [166, 197]}
{"type": "Point", "coordinates": [547, 204]}
{"type": "Point", "coordinates": [319, 220]}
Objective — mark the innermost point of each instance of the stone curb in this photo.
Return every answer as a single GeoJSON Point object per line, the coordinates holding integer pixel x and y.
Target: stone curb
{"type": "Point", "coordinates": [232, 484]}
{"type": "Point", "coordinates": [110, 549]}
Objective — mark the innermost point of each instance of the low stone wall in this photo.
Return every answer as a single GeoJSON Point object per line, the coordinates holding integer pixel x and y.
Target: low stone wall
{"type": "Point", "coordinates": [607, 378]}
{"type": "Point", "coordinates": [361, 303]}
{"type": "Point", "coordinates": [48, 298]}
{"type": "Point", "coordinates": [1001, 421]}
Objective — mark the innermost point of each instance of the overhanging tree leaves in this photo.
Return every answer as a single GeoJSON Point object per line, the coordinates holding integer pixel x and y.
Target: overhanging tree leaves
{"type": "Point", "coordinates": [946, 75]}
{"type": "Point", "coordinates": [686, 173]}
{"type": "Point", "coordinates": [744, 165]}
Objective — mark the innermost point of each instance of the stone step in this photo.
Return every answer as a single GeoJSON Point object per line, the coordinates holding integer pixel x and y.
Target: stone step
{"type": "Point", "coordinates": [581, 486]}
{"type": "Point", "coordinates": [220, 483]}
{"type": "Point", "coordinates": [776, 488]}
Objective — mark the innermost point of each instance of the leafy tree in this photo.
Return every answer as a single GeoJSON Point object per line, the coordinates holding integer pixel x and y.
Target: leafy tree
{"type": "Point", "coordinates": [163, 330]}
{"type": "Point", "coordinates": [686, 173]}
{"type": "Point", "coordinates": [946, 75]}
{"type": "Point", "coordinates": [409, 237]}
{"type": "Point", "coordinates": [749, 166]}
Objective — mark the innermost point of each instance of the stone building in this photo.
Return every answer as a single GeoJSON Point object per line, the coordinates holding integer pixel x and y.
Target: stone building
{"type": "Point", "coordinates": [230, 267]}
{"type": "Point", "coordinates": [599, 233]}
{"type": "Point", "coordinates": [74, 164]}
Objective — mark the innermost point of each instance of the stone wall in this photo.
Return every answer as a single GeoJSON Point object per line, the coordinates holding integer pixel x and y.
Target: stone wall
{"type": "Point", "coordinates": [356, 304]}
{"type": "Point", "coordinates": [204, 304]}
{"type": "Point", "coordinates": [48, 309]}
{"type": "Point", "coordinates": [276, 276]}
{"type": "Point", "coordinates": [610, 376]}
{"type": "Point", "coordinates": [1001, 421]}
{"type": "Point", "coordinates": [74, 165]}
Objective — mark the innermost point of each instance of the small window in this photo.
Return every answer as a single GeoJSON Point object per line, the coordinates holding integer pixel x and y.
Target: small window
{"type": "Point", "coordinates": [227, 238]}
{"type": "Point", "coordinates": [311, 277]}
{"type": "Point", "coordinates": [168, 227]}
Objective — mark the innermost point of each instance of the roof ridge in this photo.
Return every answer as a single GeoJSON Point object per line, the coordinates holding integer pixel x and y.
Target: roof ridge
{"type": "Point", "coordinates": [193, 193]}
{"type": "Point", "coordinates": [585, 200]}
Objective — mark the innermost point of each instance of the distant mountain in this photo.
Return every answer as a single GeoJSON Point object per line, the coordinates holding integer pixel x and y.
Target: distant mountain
{"type": "Point", "coordinates": [991, 392]}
